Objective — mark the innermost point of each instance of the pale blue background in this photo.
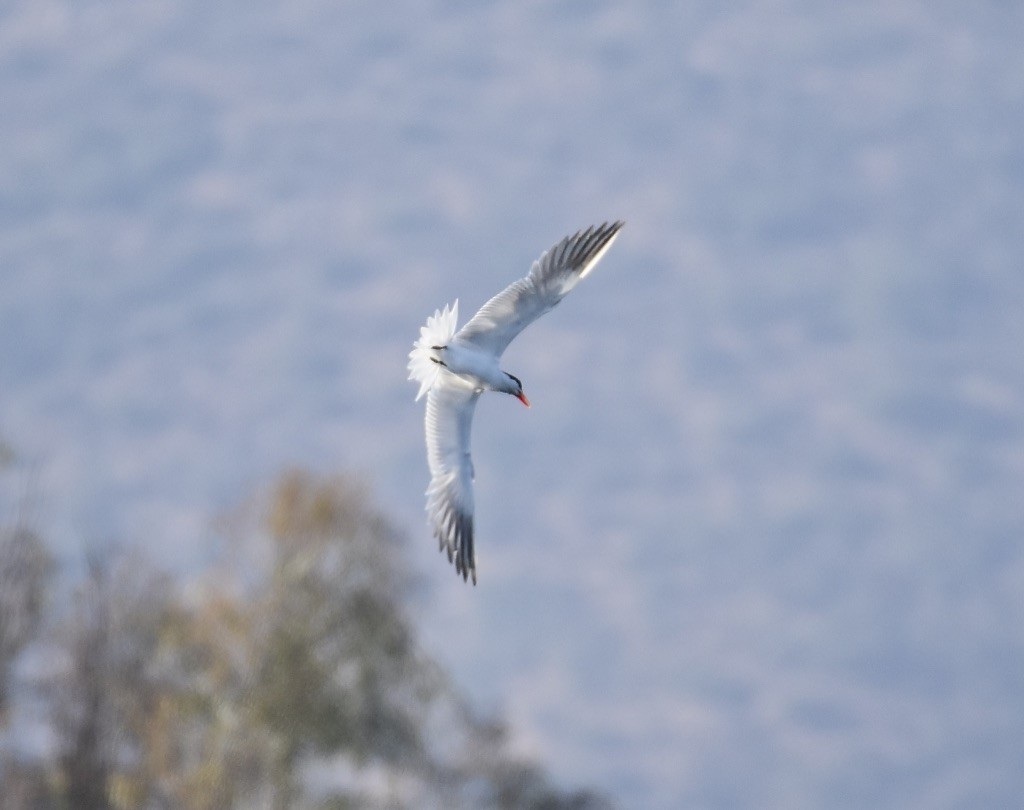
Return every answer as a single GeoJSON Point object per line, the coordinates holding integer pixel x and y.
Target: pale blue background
{"type": "Point", "coordinates": [758, 542]}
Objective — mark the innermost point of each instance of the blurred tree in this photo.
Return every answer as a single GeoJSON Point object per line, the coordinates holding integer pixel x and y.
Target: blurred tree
{"type": "Point", "coordinates": [206, 748]}
{"type": "Point", "coordinates": [487, 774]}
{"type": "Point", "coordinates": [304, 648]}
{"type": "Point", "coordinates": [25, 571]}
{"type": "Point", "coordinates": [103, 696]}
{"type": "Point", "coordinates": [335, 668]}
{"type": "Point", "coordinates": [289, 677]}
{"type": "Point", "coordinates": [24, 786]}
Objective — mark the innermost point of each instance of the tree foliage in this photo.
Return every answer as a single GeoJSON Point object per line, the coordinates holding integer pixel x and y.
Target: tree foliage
{"type": "Point", "coordinates": [287, 676]}
{"type": "Point", "coordinates": [25, 570]}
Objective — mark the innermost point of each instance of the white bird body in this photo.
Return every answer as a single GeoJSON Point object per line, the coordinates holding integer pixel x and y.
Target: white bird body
{"type": "Point", "coordinates": [454, 368]}
{"type": "Point", "coordinates": [478, 367]}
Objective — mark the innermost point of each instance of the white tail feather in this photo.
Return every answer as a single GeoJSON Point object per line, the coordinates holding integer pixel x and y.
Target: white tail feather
{"type": "Point", "coordinates": [440, 329]}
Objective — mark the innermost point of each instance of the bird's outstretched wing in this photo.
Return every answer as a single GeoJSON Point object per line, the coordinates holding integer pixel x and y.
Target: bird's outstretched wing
{"type": "Point", "coordinates": [450, 406]}
{"type": "Point", "coordinates": [555, 273]}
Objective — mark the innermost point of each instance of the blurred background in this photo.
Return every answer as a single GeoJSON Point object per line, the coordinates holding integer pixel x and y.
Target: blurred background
{"type": "Point", "coordinates": [757, 544]}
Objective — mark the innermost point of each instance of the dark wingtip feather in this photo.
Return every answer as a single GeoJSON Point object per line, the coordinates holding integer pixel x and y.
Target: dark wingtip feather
{"type": "Point", "coordinates": [457, 540]}
{"type": "Point", "coordinates": [591, 241]}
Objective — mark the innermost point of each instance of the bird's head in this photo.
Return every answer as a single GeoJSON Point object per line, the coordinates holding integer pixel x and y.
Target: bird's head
{"type": "Point", "coordinates": [515, 388]}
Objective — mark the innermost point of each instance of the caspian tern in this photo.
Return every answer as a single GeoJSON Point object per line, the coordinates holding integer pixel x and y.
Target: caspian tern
{"type": "Point", "coordinates": [454, 368]}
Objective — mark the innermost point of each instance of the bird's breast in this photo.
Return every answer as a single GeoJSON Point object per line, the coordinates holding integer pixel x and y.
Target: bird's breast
{"type": "Point", "coordinates": [476, 367]}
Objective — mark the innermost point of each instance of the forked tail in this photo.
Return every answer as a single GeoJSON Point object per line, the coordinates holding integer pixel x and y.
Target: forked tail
{"type": "Point", "coordinates": [440, 329]}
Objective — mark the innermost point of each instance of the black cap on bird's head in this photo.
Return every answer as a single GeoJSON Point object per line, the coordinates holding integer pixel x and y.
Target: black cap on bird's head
{"type": "Point", "coordinates": [518, 392]}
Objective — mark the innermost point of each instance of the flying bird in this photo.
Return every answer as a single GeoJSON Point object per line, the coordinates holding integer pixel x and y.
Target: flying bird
{"type": "Point", "coordinates": [453, 368]}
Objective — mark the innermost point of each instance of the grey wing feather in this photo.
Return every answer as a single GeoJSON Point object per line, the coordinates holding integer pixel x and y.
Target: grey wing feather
{"type": "Point", "coordinates": [553, 275]}
{"type": "Point", "coordinates": [449, 419]}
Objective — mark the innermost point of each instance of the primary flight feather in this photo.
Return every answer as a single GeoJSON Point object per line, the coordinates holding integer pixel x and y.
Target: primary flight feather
{"type": "Point", "coordinates": [454, 368]}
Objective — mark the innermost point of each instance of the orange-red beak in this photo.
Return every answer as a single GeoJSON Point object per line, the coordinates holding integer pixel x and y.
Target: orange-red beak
{"type": "Point", "coordinates": [522, 398]}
